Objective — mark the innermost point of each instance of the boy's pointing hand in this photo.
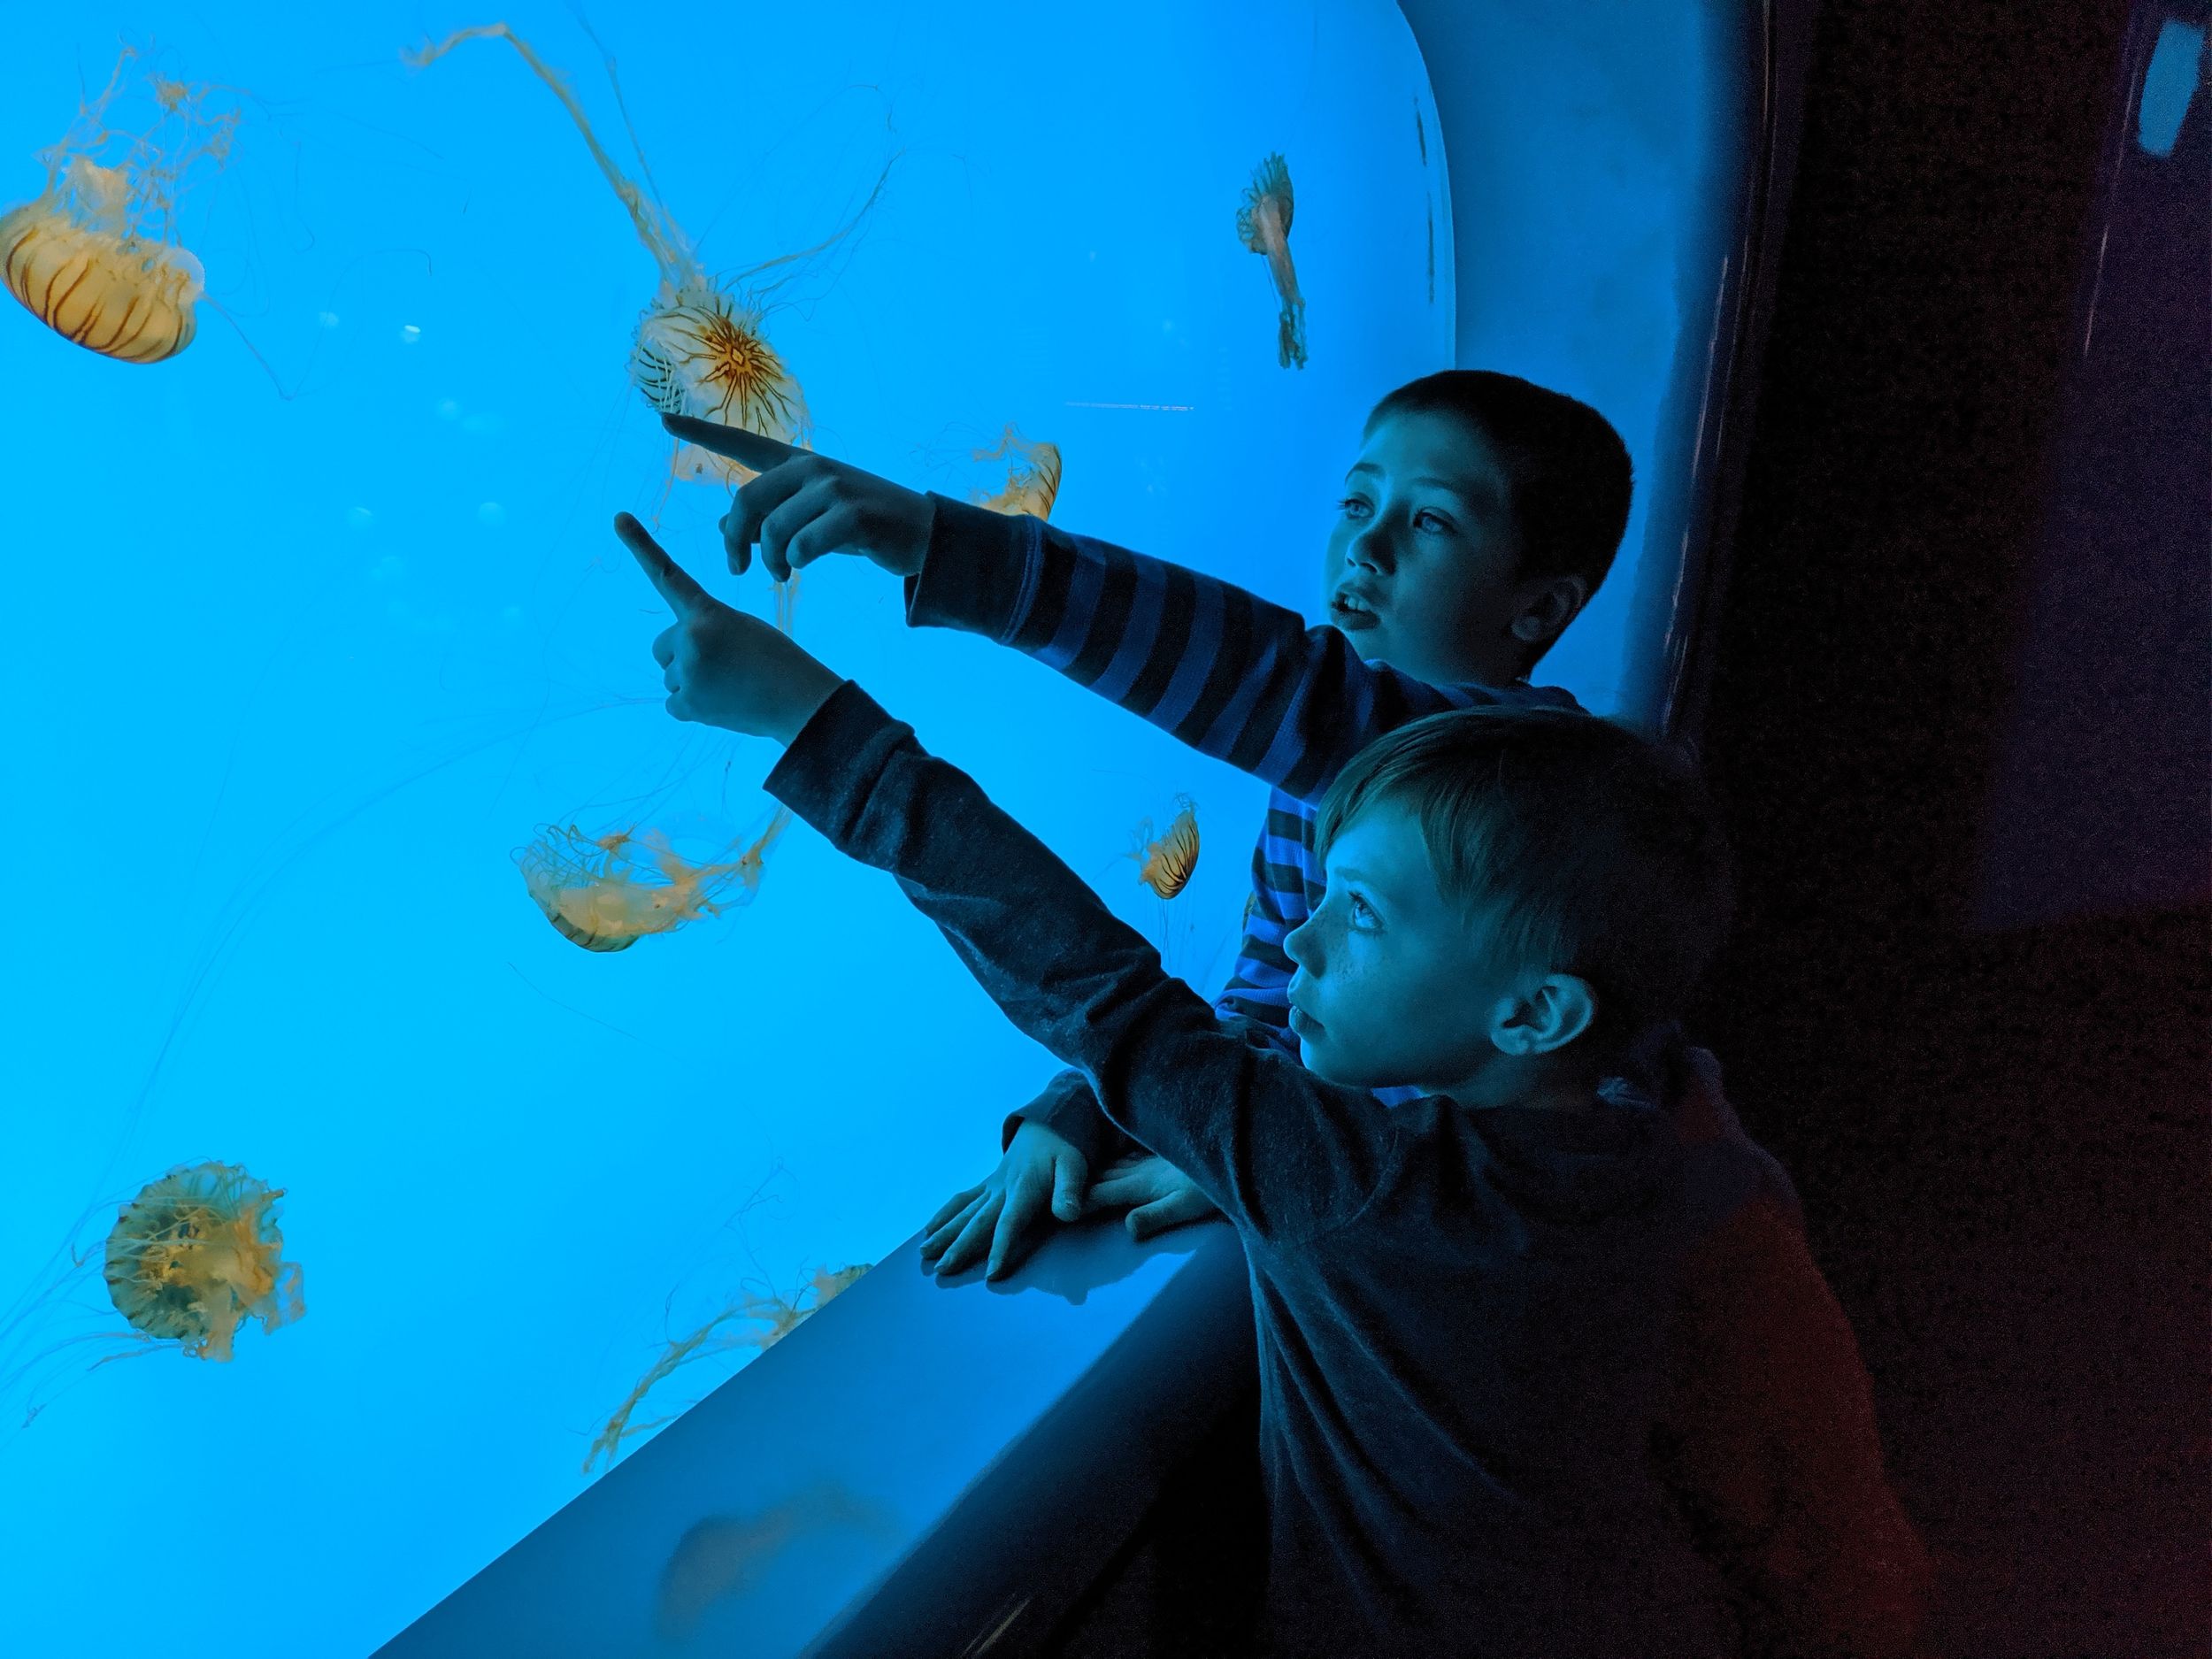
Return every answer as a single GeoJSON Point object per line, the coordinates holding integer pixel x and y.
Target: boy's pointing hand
{"type": "Point", "coordinates": [804, 505]}
{"type": "Point", "coordinates": [721, 666]}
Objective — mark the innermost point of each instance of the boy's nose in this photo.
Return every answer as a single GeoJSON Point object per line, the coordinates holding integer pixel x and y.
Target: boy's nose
{"type": "Point", "coordinates": [1295, 946]}
{"type": "Point", "coordinates": [1370, 550]}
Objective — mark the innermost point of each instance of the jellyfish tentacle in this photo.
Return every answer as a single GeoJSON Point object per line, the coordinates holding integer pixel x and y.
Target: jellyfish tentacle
{"type": "Point", "coordinates": [658, 232]}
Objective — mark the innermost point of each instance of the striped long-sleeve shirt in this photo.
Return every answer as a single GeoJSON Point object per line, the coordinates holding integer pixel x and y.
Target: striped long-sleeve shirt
{"type": "Point", "coordinates": [1224, 670]}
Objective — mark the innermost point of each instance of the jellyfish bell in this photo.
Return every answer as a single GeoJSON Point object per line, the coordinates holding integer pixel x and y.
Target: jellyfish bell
{"type": "Point", "coordinates": [703, 353]}
{"type": "Point", "coordinates": [1166, 864]}
{"type": "Point", "coordinates": [130, 301]}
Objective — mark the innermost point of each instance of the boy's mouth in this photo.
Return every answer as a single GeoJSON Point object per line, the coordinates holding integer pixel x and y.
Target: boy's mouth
{"type": "Point", "coordinates": [1351, 612]}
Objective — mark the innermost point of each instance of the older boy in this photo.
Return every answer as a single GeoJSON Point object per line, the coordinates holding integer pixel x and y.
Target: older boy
{"type": "Point", "coordinates": [1461, 1303]}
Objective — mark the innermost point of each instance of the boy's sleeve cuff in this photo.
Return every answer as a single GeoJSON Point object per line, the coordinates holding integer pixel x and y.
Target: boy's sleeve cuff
{"type": "Point", "coordinates": [830, 764]}
{"type": "Point", "coordinates": [978, 572]}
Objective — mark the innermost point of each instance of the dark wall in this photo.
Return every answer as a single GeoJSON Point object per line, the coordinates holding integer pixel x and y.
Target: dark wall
{"type": "Point", "coordinates": [2001, 1136]}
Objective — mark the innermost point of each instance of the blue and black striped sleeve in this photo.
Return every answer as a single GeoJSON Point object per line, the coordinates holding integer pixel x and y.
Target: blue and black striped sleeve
{"type": "Point", "coordinates": [1222, 669]}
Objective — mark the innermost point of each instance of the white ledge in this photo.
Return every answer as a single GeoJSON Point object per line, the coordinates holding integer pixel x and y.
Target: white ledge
{"type": "Point", "coordinates": [920, 1469]}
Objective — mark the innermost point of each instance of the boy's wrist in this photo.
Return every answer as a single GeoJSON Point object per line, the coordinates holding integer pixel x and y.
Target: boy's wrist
{"type": "Point", "coordinates": [807, 688]}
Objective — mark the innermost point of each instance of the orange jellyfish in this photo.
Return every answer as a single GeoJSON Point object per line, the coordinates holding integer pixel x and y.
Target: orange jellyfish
{"type": "Point", "coordinates": [192, 1258]}
{"type": "Point", "coordinates": [607, 892]}
{"type": "Point", "coordinates": [1263, 225]}
{"type": "Point", "coordinates": [94, 256]}
{"type": "Point", "coordinates": [1166, 864]}
{"type": "Point", "coordinates": [779, 1314]}
{"type": "Point", "coordinates": [198, 1253]}
{"type": "Point", "coordinates": [782, 1315]}
{"type": "Point", "coordinates": [700, 348]}
{"type": "Point", "coordinates": [1032, 476]}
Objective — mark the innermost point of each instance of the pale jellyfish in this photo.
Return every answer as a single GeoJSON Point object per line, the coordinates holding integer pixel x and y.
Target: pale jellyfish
{"type": "Point", "coordinates": [1263, 225]}
{"type": "Point", "coordinates": [700, 349]}
{"type": "Point", "coordinates": [607, 892]}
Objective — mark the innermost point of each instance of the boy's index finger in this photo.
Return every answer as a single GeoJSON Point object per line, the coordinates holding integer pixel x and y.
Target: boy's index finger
{"type": "Point", "coordinates": [746, 448]}
{"type": "Point", "coordinates": [674, 583]}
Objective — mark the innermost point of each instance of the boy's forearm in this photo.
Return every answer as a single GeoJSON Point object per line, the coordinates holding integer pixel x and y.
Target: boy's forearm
{"type": "Point", "coordinates": [1069, 1107]}
{"type": "Point", "coordinates": [1064, 968]}
{"type": "Point", "coordinates": [1268, 1143]}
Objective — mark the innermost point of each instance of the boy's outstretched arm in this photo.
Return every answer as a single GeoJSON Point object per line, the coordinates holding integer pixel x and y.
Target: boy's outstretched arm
{"type": "Point", "coordinates": [1263, 1139]}
{"type": "Point", "coordinates": [1268, 1143]}
{"type": "Point", "coordinates": [1222, 669]}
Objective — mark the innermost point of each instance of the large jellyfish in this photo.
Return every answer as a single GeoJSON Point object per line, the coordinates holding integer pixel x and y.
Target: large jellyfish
{"type": "Point", "coordinates": [196, 1254]}
{"type": "Point", "coordinates": [1032, 475]}
{"type": "Point", "coordinates": [607, 892]}
{"type": "Point", "coordinates": [1263, 225]}
{"type": "Point", "coordinates": [777, 1315]}
{"type": "Point", "coordinates": [94, 256]}
{"type": "Point", "coordinates": [700, 348]}
{"type": "Point", "coordinates": [194, 1257]}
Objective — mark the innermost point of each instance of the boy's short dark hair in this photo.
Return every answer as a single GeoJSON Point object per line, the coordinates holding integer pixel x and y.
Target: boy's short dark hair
{"type": "Point", "coordinates": [1569, 475]}
{"type": "Point", "coordinates": [1591, 849]}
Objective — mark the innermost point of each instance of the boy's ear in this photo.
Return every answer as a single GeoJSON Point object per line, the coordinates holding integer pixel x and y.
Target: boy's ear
{"type": "Point", "coordinates": [1546, 610]}
{"type": "Point", "coordinates": [1549, 1017]}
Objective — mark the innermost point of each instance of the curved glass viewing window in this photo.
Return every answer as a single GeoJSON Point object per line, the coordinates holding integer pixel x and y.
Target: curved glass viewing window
{"type": "Point", "coordinates": [492, 1036]}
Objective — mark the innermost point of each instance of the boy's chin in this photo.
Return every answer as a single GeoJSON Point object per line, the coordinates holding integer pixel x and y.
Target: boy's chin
{"type": "Point", "coordinates": [1333, 1067]}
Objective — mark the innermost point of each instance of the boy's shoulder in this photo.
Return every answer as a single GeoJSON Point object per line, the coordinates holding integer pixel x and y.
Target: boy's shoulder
{"type": "Point", "coordinates": [1518, 694]}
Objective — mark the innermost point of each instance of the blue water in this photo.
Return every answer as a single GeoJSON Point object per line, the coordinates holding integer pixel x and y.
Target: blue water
{"type": "Point", "coordinates": [307, 643]}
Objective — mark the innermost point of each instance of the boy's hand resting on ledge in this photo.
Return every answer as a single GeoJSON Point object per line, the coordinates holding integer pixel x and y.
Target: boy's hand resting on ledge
{"type": "Point", "coordinates": [1040, 1173]}
{"type": "Point", "coordinates": [1162, 1195]}
{"type": "Point", "coordinates": [721, 666]}
{"type": "Point", "coordinates": [804, 505]}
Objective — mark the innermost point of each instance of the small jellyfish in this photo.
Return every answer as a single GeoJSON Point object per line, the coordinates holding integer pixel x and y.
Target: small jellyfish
{"type": "Point", "coordinates": [607, 892]}
{"type": "Point", "coordinates": [1263, 225]}
{"type": "Point", "coordinates": [94, 256]}
{"type": "Point", "coordinates": [1166, 864]}
{"type": "Point", "coordinates": [780, 1315]}
{"type": "Point", "coordinates": [1032, 476]}
{"type": "Point", "coordinates": [196, 1254]}
{"type": "Point", "coordinates": [700, 348]}
{"type": "Point", "coordinates": [783, 1315]}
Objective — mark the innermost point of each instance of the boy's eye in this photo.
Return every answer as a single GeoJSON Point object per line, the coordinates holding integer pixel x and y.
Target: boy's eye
{"type": "Point", "coordinates": [1435, 523]}
{"type": "Point", "coordinates": [1353, 505]}
{"type": "Point", "coordinates": [1362, 910]}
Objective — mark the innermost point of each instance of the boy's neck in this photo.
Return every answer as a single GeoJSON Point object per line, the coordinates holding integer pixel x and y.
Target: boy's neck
{"type": "Point", "coordinates": [1527, 1085]}
{"type": "Point", "coordinates": [1472, 668]}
